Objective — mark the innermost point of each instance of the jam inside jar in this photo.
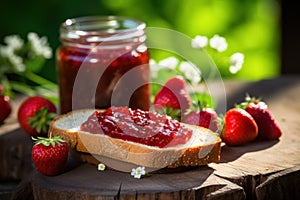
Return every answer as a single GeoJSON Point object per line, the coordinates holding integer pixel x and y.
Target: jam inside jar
{"type": "Point", "coordinates": [103, 62]}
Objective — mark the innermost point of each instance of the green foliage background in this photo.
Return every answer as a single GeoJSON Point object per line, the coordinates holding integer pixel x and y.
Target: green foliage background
{"type": "Point", "coordinates": [250, 26]}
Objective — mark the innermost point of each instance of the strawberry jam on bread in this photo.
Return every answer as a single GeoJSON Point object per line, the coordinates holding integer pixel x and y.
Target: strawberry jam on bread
{"type": "Point", "coordinates": [165, 143]}
{"type": "Point", "coordinates": [138, 126]}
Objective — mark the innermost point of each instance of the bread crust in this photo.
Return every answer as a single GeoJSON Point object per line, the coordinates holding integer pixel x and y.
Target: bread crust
{"type": "Point", "coordinates": [203, 148]}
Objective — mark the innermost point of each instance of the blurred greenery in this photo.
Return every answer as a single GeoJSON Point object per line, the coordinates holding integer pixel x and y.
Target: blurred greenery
{"type": "Point", "coordinates": [250, 26]}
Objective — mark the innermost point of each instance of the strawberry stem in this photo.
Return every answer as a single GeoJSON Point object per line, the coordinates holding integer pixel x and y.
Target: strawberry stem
{"type": "Point", "coordinates": [248, 100]}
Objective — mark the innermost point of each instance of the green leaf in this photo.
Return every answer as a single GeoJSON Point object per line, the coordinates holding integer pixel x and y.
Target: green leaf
{"type": "Point", "coordinates": [41, 120]}
{"type": "Point", "coordinates": [203, 100]}
{"type": "Point", "coordinates": [170, 111]}
{"type": "Point", "coordinates": [48, 141]}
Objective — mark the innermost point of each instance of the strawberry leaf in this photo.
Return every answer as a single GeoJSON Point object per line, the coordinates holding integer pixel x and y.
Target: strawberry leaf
{"type": "Point", "coordinates": [48, 141]}
{"type": "Point", "coordinates": [248, 100]}
{"type": "Point", "coordinates": [41, 120]}
{"type": "Point", "coordinates": [202, 100]}
{"type": "Point", "coordinates": [170, 111]}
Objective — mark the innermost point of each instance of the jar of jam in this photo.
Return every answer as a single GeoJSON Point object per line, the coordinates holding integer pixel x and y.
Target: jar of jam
{"type": "Point", "coordinates": [103, 62]}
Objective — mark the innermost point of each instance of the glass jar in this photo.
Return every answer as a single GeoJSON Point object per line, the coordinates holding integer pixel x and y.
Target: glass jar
{"type": "Point", "coordinates": [103, 61]}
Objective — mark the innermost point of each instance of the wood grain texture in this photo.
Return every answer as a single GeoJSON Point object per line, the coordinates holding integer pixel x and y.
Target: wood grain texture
{"type": "Point", "coordinates": [85, 182]}
{"type": "Point", "coordinates": [249, 165]}
{"type": "Point", "coordinates": [15, 147]}
{"type": "Point", "coordinates": [281, 185]}
{"type": "Point", "coordinates": [15, 155]}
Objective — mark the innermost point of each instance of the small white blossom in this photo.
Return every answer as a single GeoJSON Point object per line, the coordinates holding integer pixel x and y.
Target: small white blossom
{"type": "Point", "coordinates": [14, 42]}
{"type": "Point", "coordinates": [219, 43]}
{"type": "Point", "coordinates": [101, 167]}
{"type": "Point", "coordinates": [154, 68]}
{"type": "Point", "coordinates": [190, 71]}
{"type": "Point", "coordinates": [236, 62]}
{"type": "Point", "coordinates": [199, 42]}
{"type": "Point", "coordinates": [39, 45]}
{"type": "Point", "coordinates": [138, 172]}
{"type": "Point", "coordinates": [15, 60]}
{"type": "Point", "coordinates": [6, 51]}
{"type": "Point", "coordinates": [170, 62]}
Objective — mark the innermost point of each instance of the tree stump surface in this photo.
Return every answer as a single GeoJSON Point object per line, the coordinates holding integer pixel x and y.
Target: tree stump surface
{"type": "Point", "coordinates": [258, 170]}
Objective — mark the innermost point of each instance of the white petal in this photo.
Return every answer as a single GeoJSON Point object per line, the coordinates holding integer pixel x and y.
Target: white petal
{"type": "Point", "coordinates": [170, 62]}
{"type": "Point", "coordinates": [101, 167]}
{"type": "Point", "coordinates": [133, 172]}
{"type": "Point", "coordinates": [14, 41]}
{"type": "Point", "coordinates": [190, 71]}
{"type": "Point", "coordinates": [237, 58]}
{"type": "Point", "coordinates": [39, 45]}
{"type": "Point", "coordinates": [137, 176]}
{"type": "Point", "coordinates": [219, 43]}
{"type": "Point", "coordinates": [199, 42]}
{"type": "Point", "coordinates": [143, 172]}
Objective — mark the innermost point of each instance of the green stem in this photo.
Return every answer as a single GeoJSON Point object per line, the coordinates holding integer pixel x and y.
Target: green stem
{"type": "Point", "coordinates": [22, 88]}
{"type": "Point", "coordinates": [39, 80]}
{"type": "Point", "coordinates": [7, 87]}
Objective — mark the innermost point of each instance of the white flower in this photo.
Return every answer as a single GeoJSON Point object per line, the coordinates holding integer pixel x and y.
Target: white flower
{"type": "Point", "coordinates": [170, 62]}
{"type": "Point", "coordinates": [39, 45]}
{"type": "Point", "coordinates": [15, 60]}
{"type": "Point", "coordinates": [154, 68]}
{"type": "Point", "coordinates": [101, 167]}
{"type": "Point", "coordinates": [190, 71]}
{"type": "Point", "coordinates": [219, 43]}
{"type": "Point", "coordinates": [6, 51]}
{"type": "Point", "coordinates": [236, 62]}
{"type": "Point", "coordinates": [138, 172]}
{"type": "Point", "coordinates": [14, 42]}
{"type": "Point", "coordinates": [199, 42]}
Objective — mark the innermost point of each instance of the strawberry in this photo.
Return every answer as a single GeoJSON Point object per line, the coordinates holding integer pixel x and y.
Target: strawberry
{"type": "Point", "coordinates": [35, 114]}
{"type": "Point", "coordinates": [5, 106]}
{"type": "Point", "coordinates": [239, 127]}
{"type": "Point", "coordinates": [50, 155]}
{"type": "Point", "coordinates": [268, 127]}
{"type": "Point", "coordinates": [173, 97]}
{"type": "Point", "coordinates": [206, 117]}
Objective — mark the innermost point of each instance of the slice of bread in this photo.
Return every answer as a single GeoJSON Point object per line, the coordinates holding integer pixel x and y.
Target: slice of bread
{"type": "Point", "coordinates": [202, 148]}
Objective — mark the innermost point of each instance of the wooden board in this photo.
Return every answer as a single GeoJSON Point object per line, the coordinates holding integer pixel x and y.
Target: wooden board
{"type": "Point", "coordinates": [15, 148]}
{"type": "Point", "coordinates": [258, 170]}
{"type": "Point", "coordinates": [85, 182]}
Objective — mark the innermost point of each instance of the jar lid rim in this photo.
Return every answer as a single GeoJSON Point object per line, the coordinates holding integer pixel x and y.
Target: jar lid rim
{"type": "Point", "coordinates": [109, 24]}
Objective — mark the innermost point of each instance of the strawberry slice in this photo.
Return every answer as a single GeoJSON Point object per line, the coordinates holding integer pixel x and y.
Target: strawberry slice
{"type": "Point", "coordinates": [239, 127]}
{"type": "Point", "coordinates": [173, 98]}
{"type": "Point", "coordinates": [268, 127]}
{"type": "Point", "coordinates": [50, 155]}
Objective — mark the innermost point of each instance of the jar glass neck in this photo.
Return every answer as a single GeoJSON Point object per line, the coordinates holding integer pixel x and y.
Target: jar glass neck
{"type": "Point", "coordinates": [107, 31]}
